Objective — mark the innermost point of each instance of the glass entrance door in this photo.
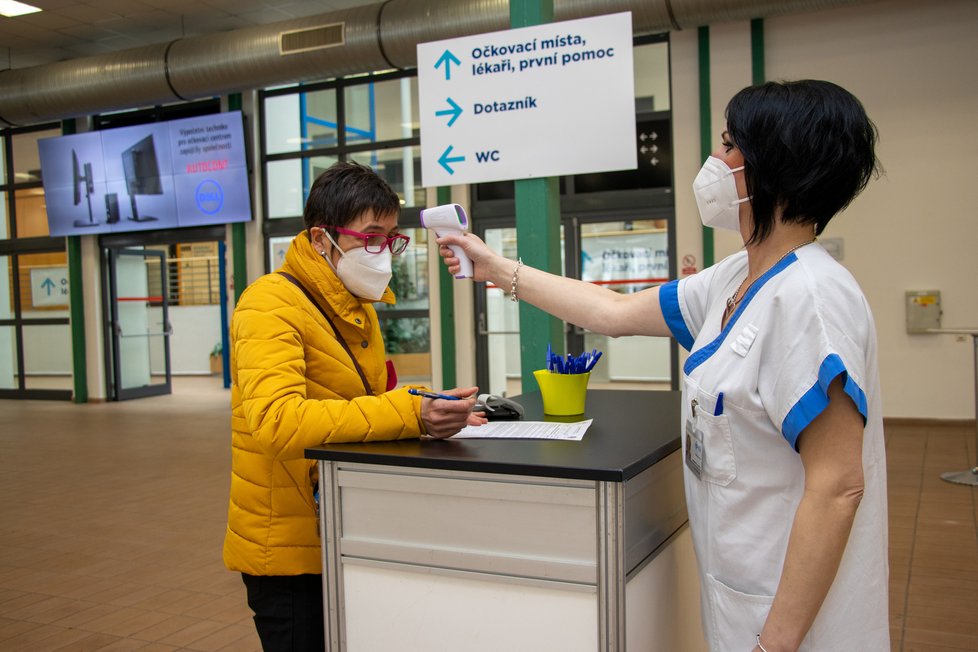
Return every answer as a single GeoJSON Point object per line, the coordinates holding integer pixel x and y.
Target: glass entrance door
{"type": "Point", "coordinates": [498, 325]}
{"type": "Point", "coordinates": [623, 254]}
{"type": "Point", "coordinates": [138, 323]}
{"type": "Point", "coordinates": [626, 256]}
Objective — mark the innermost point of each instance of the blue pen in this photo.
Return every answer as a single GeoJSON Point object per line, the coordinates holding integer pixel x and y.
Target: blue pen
{"type": "Point", "coordinates": [593, 362]}
{"type": "Point", "coordinates": [421, 392]}
{"type": "Point", "coordinates": [718, 410]}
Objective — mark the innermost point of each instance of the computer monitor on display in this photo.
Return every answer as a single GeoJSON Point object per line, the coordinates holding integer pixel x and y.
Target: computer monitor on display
{"type": "Point", "coordinates": [77, 179]}
{"type": "Point", "coordinates": [142, 174]}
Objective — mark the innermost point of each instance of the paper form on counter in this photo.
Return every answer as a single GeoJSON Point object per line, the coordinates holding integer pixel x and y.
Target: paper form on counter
{"type": "Point", "coordinates": [526, 430]}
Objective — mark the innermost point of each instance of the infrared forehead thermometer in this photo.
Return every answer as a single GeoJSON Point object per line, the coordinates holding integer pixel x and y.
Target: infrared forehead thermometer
{"type": "Point", "coordinates": [445, 220]}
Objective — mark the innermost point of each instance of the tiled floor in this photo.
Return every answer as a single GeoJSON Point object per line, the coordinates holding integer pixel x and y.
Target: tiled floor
{"type": "Point", "coordinates": [113, 515]}
{"type": "Point", "coordinates": [933, 541]}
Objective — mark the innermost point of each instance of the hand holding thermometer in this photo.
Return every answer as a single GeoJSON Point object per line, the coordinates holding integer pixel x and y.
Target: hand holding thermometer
{"type": "Point", "coordinates": [445, 220]}
{"type": "Point", "coordinates": [426, 394]}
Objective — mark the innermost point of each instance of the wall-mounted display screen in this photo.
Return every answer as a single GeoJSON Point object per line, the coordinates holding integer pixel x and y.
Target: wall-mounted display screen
{"type": "Point", "coordinates": [174, 174]}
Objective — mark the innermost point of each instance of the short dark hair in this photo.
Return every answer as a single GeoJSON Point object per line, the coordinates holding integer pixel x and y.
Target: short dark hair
{"type": "Point", "coordinates": [808, 146]}
{"type": "Point", "coordinates": [344, 192]}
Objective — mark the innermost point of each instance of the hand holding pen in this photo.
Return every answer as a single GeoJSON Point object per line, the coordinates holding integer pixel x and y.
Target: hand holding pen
{"type": "Point", "coordinates": [445, 413]}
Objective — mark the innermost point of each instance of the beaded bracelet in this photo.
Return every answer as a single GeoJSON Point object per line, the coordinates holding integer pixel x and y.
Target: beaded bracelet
{"type": "Point", "coordinates": [516, 279]}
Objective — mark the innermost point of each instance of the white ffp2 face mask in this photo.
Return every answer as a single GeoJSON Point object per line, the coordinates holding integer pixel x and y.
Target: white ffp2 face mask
{"type": "Point", "coordinates": [364, 274]}
{"type": "Point", "coordinates": [715, 190]}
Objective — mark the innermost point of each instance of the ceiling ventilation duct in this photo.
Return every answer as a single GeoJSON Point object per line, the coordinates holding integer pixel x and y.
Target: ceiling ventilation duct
{"type": "Point", "coordinates": [312, 38]}
{"type": "Point", "coordinates": [357, 40]}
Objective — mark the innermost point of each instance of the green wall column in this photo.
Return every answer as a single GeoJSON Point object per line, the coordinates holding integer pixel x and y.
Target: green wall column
{"type": "Point", "coordinates": [446, 314]}
{"type": "Point", "coordinates": [537, 230]}
{"type": "Point", "coordinates": [238, 252]}
{"type": "Point", "coordinates": [79, 359]}
{"type": "Point", "coordinates": [706, 138]}
{"type": "Point", "coordinates": [76, 301]}
{"type": "Point", "coordinates": [757, 51]}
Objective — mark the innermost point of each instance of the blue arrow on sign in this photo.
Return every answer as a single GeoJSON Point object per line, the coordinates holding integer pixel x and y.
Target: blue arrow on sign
{"type": "Point", "coordinates": [48, 285]}
{"type": "Point", "coordinates": [455, 111]}
{"type": "Point", "coordinates": [447, 58]}
{"type": "Point", "coordinates": [446, 158]}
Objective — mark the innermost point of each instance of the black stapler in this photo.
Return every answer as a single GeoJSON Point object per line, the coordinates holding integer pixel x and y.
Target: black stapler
{"type": "Point", "coordinates": [498, 408]}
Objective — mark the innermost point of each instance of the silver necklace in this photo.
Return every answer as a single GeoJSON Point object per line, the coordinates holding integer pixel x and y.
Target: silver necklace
{"type": "Point", "coordinates": [733, 300]}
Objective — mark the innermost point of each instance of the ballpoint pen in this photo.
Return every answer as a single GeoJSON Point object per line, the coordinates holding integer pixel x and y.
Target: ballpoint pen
{"type": "Point", "coordinates": [426, 394]}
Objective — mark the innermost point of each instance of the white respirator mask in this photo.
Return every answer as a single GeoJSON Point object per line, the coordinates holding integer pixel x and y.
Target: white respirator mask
{"type": "Point", "coordinates": [364, 274]}
{"type": "Point", "coordinates": [715, 190]}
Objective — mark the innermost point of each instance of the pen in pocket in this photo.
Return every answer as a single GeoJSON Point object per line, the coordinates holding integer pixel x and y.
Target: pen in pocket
{"type": "Point", "coordinates": [718, 410]}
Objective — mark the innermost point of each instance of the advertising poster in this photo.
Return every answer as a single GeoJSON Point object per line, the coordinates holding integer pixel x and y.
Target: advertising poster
{"type": "Point", "coordinates": [177, 174]}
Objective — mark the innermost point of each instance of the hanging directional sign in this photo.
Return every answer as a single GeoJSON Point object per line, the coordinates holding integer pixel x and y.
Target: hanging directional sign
{"type": "Point", "coordinates": [538, 101]}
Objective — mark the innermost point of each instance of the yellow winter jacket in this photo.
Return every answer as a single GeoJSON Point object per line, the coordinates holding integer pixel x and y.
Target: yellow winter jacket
{"type": "Point", "coordinates": [293, 386]}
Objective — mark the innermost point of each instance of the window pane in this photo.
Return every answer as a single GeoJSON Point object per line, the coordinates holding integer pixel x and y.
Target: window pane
{"type": "Point", "coordinates": [401, 168]}
{"type": "Point", "coordinates": [32, 216]}
{"type": "Point", "coordinates": [27, 162]}
{"type": "Point", "coordinates": [382, 111]}
{"type": "Point", "coordinates": [408, 341]}
{"type": "Point", "coordinates": [652, 75]}
{"type": "Point", "coordinates": [47, 355]}
{"type": "Point", "coordinates": [408, 336]}
{"type": "Point", "coordinates": [312, 168]}
{"type": "Point", "coordinates": [300, 121]}
{"type": "Point", "coordinates": [43, 284]}
{"type": "Point", "coordinates": [503, 324]}
{"type": "Point", "coordinates": [6, 288]}
{"type": "Point", "coordinates": [282, 130]}
{"type": "Point", "coordinates": [284, 182]}
{"type": "Point", "coordinates": [8, 356]}
{"type": "Point", "coordinates": [4, 216]}
{"type": "Point", "coordinates": [627, 257]}
{"type": "Point", "coordinates": [410, 280]}
{"type": "Point", "coordinates": [193, 277]}
{"type": "Point", "coordinates": [320, 119]}
{"type": "Point", "coordinates": [289, 181]}
{"type": "Point", "coordinates": [8, 336]}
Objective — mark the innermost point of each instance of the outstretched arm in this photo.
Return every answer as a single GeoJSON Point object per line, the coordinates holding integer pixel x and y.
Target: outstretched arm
{"type": "Point", "coordinates": [583, 304]}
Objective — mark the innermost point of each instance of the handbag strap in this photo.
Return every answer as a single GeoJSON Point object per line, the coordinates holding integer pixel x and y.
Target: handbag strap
{"type": "Point", "coordinates": [339, 337]}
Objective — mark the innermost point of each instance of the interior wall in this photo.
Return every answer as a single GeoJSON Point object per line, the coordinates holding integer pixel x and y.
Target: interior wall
{"type": "Point", "coordinates": [912, 65]}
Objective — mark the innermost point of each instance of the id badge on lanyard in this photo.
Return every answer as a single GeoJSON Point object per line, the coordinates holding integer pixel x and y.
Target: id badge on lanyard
{"type": "Point", "coordinates": [695, 451]}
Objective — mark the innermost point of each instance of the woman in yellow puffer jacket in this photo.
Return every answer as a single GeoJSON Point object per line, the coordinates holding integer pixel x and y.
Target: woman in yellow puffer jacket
{"type": "Point", "coordinates": [307, 368]}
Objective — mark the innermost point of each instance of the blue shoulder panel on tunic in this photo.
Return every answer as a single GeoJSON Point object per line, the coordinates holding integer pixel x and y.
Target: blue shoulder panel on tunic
{"type": "Point", "coordinates": [669, 303]}
{"type": "Point", "coordinates": [815, 400]}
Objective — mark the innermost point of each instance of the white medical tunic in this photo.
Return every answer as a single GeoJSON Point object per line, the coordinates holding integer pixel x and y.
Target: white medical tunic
{"type": "Point", "coordinates": [801, 325]}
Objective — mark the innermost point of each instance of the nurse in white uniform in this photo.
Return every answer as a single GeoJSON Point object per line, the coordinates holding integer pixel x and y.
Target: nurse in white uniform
{"type": "Point", "coordinates": [782, 424]}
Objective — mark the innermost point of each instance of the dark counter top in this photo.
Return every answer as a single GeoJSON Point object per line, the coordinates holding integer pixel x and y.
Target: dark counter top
{"type": "Point", "coordinates": [631, 431]}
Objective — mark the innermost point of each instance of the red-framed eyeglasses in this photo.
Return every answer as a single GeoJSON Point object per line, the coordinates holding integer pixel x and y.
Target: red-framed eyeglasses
{"type": "Point", "coordinates": [374, 243]}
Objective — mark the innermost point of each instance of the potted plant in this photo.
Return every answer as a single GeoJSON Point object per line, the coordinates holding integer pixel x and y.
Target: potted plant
{"type": "Point", "coordinates": [217, 359]}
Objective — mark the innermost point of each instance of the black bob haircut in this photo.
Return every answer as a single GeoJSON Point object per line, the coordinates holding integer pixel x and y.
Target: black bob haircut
{"type": "Point", "coordinates": [344, 192]}
{"type": "Point", "coordinates": [809, 150]}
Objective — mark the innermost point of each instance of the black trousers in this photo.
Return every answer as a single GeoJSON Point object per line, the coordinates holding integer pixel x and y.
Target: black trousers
{"type": "Point", "coordinates": [288, 611]}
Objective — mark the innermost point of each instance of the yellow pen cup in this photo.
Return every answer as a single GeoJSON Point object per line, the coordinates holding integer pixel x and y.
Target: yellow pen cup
{"type": "Point", "coordinates": [563, 394]}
